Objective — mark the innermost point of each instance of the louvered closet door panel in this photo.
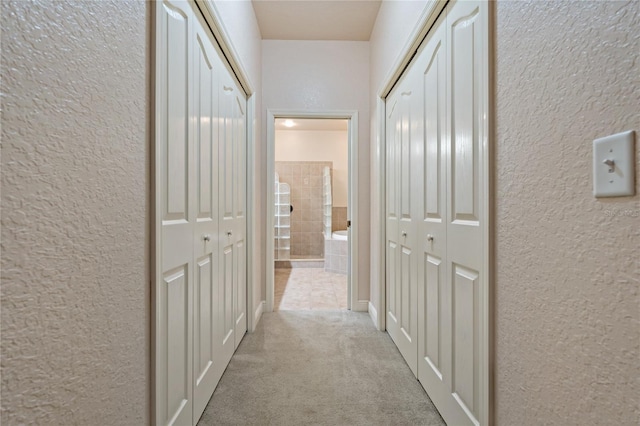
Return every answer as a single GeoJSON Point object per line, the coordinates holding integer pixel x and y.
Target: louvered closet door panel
{"type": "Point", "coordinates": [176, 216]}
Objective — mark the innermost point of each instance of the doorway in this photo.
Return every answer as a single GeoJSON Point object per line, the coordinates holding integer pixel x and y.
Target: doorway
{"type": "Point", "coordinates": [311, 183]}
{"type": "Point", "coordinates": [310, 223]}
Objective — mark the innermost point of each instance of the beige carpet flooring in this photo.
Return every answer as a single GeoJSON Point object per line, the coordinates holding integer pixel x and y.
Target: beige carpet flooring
{"type": "Point", "coordinates": [318, 368]}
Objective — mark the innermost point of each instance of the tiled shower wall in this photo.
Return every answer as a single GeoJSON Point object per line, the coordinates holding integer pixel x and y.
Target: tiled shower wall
{"type": "Point", "coordinates": [338, 218]}
{"type": "Point", "coordinates": [305, 178]}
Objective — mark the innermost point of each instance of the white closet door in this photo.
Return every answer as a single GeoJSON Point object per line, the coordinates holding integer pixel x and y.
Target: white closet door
{"type": "Point", "coordinates": [232, 214]}
{"type": "Point", "coordinates": [207, 366]}
{"type": "Point", "coordinates": [453, 365]}
{"type": "Point", "coordinates": [227, 253]}
{"type": "Point", "coordinates": [403, 129]}
{"type": "Point", "coordinates": [200, 292]}
{"type": "Point", "coordinates": [467, 286]}
{"type": "Point", "coordinates": [447, 83]}
{"type": "Point", "coordinates": [432, 236]}
{"type": "Point", "coordinates": [176, 216]}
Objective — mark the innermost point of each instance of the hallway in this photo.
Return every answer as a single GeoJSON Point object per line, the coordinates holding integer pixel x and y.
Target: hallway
{"type": "Point", "coordinates": [320, 368]}
{"type": "Point", "coordinates": [119, 119]}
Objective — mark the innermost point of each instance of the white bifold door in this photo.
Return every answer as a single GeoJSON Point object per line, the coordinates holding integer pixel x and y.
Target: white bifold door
{"type": "Point", "coordinates": [403, 180]}
{"type": "Point", "coordinates": [232, 212]}
{"type": "Point", "coordinates": [437, 183]}
{"type": "Point", "coordinates": [200, 164]}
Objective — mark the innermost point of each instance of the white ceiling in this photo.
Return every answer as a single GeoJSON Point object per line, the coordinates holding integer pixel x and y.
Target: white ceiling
{"type": "Point", "coordinates": [313, 124]}
{"type": "Point", "coordinates": [316, 19]}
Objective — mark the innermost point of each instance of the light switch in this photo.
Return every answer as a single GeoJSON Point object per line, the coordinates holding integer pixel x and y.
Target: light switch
{"type": "Point", "coordinates": [613, 165]}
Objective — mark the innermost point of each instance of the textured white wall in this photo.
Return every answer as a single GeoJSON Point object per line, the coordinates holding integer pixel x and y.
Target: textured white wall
{"type": "Point", "coordinates": [240, 23]}
{"type": "Point", "coordinates": [75, 220]}
{"type": "Point", "coordinates": [394, 24]}
{"type": "Point", "coordinates": [319, 145]}
{"type": "Point", "coordinates": [567, 264]}
{"type": "Point", "coordinates": [325, 76]}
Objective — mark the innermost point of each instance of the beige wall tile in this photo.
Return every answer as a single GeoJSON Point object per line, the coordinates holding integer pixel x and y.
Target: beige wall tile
{"type": "Point", "coordinates": [305, 179]}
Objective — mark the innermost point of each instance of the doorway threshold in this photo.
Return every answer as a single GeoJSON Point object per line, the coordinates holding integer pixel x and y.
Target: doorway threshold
{"type": "Point", "coordinates": [299, 263]}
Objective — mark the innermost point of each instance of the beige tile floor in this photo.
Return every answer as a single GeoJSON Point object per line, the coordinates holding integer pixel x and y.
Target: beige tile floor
{"type": "Point", "coordinates": [301, 289]}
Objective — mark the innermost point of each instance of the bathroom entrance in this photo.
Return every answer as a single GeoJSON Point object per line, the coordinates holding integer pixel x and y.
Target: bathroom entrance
{"type": "Point", "coordinates": [310, 205]}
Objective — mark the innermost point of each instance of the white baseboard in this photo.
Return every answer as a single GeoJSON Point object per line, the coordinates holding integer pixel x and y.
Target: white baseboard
{"type": "Point", "coordinates": [373, 313]}
{"type": "Point", "coordinates": [360, 306]}
{"type": "Point", "coordinates": [258, 315]}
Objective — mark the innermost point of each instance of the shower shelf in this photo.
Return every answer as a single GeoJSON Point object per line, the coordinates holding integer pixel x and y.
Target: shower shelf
{"type": "Point", "coordinates": [326, 201]}
{"type": "Point", "coordinates": [282, 214]}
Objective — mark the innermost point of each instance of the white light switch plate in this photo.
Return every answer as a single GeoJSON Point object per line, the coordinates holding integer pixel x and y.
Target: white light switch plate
{"type": "Point", "coordinates": [614, 179]}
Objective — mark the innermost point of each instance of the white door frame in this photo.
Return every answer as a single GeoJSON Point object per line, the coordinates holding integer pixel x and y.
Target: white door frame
{"type": "Point", "coordinates": [381, 116]}
{"type": "Point", "coordinates": [352, 209]}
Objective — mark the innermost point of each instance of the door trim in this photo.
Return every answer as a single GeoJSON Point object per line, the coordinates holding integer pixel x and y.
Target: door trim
{"type": "Point", "coordinates": [425, 22]}
{"type": "Point", "coordinates": [354, 301]}
{"type": "Point", "coordinates": [253, 271]}
{"type": "Point", "coordinates": [381, 322]}
{"type": "Point", "coordinates": [212, 16]}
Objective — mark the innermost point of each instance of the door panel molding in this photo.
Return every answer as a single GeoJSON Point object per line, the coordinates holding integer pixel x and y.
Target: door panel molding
{"type": "Point", "coordinates": [173, 265]}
